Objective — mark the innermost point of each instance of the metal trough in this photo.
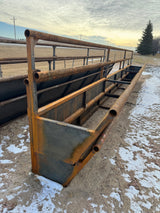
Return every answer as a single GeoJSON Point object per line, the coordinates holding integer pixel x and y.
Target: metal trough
{"type": "Point", "coordinates": [63, 138]}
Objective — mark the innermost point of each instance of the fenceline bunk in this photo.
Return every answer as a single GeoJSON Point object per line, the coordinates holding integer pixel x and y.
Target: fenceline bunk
{"type": "Point", "coordinates": [13, 101]}
{"type": "Point", "coordinates": [68, 131]}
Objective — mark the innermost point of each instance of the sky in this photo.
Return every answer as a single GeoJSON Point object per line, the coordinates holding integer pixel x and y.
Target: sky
{"type": "Point", "coordinates": [110, 22]}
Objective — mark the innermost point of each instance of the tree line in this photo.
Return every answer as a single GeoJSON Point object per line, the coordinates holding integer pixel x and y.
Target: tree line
{"type": "Point", "coordinates": [147, 44]}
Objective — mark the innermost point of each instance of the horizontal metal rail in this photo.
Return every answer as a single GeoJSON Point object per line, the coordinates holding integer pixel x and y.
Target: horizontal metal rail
{"type": "Point", "coordinates": [53, 44]}
{"type": "Point", "coordinates": [43, 59]}
{"type": "Point", "coordinates": [50, 106]}
{"type": "Point", "coordinates": [55, 38]}
{"type": "Point", "coordinates": [53, 74]}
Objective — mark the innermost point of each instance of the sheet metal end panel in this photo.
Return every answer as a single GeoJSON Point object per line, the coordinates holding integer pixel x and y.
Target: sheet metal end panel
{"type": "Point", "coordinates": [57, 146]}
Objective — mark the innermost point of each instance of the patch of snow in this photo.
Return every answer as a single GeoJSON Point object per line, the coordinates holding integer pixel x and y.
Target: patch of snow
{"type": "Point", "coordinates": [16, 149]}
{"type": "Point", "coordinates": [94, 205]}
{"type": "Point", "coordinates": [11, 170]}
{"type": "Point", "coordinates": [101, 209]}
{"type": "Point", "coordinates": [45, 197]}
{"type": "Point", "coordinates": [89, 198]}
{"type": "Point", "coordinates": [10, 197]}
{"type": "Point", "coordinates": [105, 196]}
{"type": "Point", "coordinates": [117, 197]}
{"type": "Point", "coordinates": [20, 136]}
{"type": "Point", "coordinates": [113, 162]}
{"type": "Point", "coordinates": [6, 161]}
{"type": "Point", "coordinates": [1, 184]}
{"type": "Point", "coordinates": [147, 204]}
{"type": "Point", "coordinates": [126, 177]}
{"type": "Point", "coordinates": [3, 142]}
{"type": "Point", "coordinates": [25, 127]}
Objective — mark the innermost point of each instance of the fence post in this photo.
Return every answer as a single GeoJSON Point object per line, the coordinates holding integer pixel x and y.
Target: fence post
{"type": "Point", "coordinates": [120, 65]}
{"type": "Point", "coordinates": [87, 56]}
{"type": "Point", "coordinates": [1, 71]}
{"type": "Point", "coordinates": [108, 54]}
{"type": "Point", "coordinates": [54, 54]}
{"type": "Point", "coordinates": [49, 62]}
{"type": "Point", "coordinates": [84, 62]}
{"type": "Point", "coordinates": [104, 55]}
{"type": "Point", "coordinates": [64, 64]}
{"type": "Point", "coordinates": [73, 63]}
{"type": "Point", "coordinates": [131, 58]}
{"type": "Point", "coordinates": [124, 58]}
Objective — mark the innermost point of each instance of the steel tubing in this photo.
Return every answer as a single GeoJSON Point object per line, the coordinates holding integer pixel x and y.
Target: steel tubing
{"type": "Point", "coordinates": [54, 74]}
{"type": "Point", "coordinates": [42, 59]}
{"type": "Point", "coordinates": [55, 38]}
{"type": "Point", "coordinates": [116, 108]}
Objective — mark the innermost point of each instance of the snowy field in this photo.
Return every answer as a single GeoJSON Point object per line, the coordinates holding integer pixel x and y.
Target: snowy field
{"type": "Point", "coordinates": [140, 158]}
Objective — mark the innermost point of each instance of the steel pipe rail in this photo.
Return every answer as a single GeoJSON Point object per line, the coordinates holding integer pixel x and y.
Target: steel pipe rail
{"type": "Point", "coordinates": [55, 38]}
{"type": "Point", "coordinates": [53, 44]}
{"type": "Point", "coordinates": [116, 108]}
{"type": "Point", "coordinates": [44, 109]}
{"type": "Point", "coordinates": [53, 74]}
{"type": "Point", "coordinates": [43, 59]}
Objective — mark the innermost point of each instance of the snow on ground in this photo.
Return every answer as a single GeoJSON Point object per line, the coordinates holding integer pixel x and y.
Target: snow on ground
{"type": "Point", "coordinates": [140, 157]}
{"type": "Point", "coordinates": [141, 154]}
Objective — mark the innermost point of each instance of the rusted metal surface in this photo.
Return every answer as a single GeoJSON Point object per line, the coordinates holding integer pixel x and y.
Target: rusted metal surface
{"type": "Point", "coordinates": [13, 90]}
{"type": "Point", "coordinates": [59, 146]}
{"type": "Point", "coordinates": [43, 59]}
{"type": "Point", "coordinates": [53, 74]}
{"type": "Point", "coordinates": [55, 38]}
{"type": "Point", "coordinates": [116, 108]}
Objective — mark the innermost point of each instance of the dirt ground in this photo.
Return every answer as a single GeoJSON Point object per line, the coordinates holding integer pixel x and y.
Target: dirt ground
{"type": "Point", "coordinates": [99, 187]}
{"type": "Point", "coordinates": [114, 180]}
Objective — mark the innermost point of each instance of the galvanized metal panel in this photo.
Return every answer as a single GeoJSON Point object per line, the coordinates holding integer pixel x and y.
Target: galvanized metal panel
{"type": "Point", "coordinates": [54, 143]}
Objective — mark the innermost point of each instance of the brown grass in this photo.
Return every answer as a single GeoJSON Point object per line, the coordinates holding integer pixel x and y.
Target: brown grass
{"type": "Point", "coordinates": [8, 51]}
{"type": "Point", "coordinates": [149, 60]}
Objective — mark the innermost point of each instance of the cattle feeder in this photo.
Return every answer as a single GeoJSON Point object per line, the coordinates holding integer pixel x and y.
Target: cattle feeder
{"type": "Point", "coordinates": [67, 132]}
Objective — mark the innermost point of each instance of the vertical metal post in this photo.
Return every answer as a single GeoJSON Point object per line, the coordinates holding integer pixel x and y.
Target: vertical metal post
{"type": "Point", "coordinates": [104, 55]}
{"type": "Point", "coordinates": [1, 71]}
{"type": "Point", "coordinates": [120, 65]}
{"type": "Point", "coordinates": [102, 71]}
{"type": "Point", "coordinates": [84, 99]}
{"type": "Point", "coordinates": [124, 58]}
{"type": "Point", "coordinates": [54, 54]}
{"type": "Point", "coordinates": [73, 63]}
{"type": "Point", "coordinates": [87, 56]}
{"type": "Point", "coordinates": [31, 67]}
{"type": "Point", "coordinates": [65, 64]}
{"type": "Point", "coordinates": [131, 58]}
{"type": "Point", "coordinates": [32, 101]}
{"type": "Point", "coordinates": [83, 61]}
{"type": "Point", "coordinates": [49, 62]}
{"type": "Point", "coordinates": [108, 54]}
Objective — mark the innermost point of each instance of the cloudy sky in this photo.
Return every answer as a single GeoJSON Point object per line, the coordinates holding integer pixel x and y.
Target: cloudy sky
{"type": "Point", "coordinates": [117, 22]}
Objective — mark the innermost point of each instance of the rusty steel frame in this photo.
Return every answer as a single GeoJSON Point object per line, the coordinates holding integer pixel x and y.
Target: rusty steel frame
{"type": "Point", "coordinates": [59, 149]}
{"type": "Point", "coordinates": [43, 59]}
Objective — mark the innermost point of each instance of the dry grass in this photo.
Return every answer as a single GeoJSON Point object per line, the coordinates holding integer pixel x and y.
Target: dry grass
{"type": "Point", "coordinates": [9, 51]}
{"type": "Point", "coordinates": [149, 60]}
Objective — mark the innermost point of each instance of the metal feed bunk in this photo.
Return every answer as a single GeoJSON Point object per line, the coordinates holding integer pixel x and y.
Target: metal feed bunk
{"type": "Point", "coordinates": [63, 138]}
{"type": "Point", "coordinates": [13, 100]}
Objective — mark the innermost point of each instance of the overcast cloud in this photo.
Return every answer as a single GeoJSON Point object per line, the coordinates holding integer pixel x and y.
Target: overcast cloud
{"type": "Point", "coordinates": [111, 21]}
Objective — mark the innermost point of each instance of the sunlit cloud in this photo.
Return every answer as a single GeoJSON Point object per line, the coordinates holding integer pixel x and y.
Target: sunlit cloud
{"type": "Point", "coordinates": [111, 22]}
